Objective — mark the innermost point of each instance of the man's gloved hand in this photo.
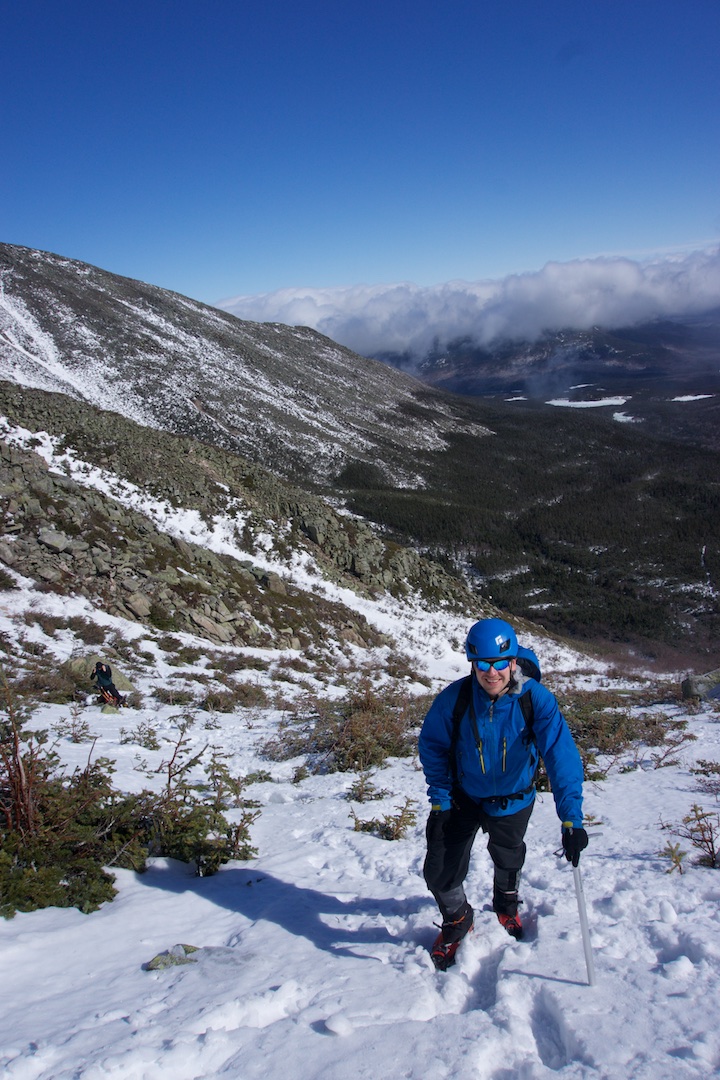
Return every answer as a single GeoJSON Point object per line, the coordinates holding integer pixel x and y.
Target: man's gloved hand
{"type": "Point", "coordinates": [436, 822]}
{"type": "Point", "coordinates": [574, 840]}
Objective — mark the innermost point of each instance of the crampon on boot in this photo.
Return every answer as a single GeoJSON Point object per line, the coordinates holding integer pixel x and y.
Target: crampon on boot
{"type": "Point", "coordinates": [452, 931]}
{"type": "Point", "coordinates": [512, 924]}
{"type": "Point", "coordinates": [505, 906]}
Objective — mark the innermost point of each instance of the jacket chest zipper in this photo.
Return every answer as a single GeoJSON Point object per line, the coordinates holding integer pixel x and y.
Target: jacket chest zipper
{"type": "Point", "coordinates": [480, 755]}
{"type": "Point", "coordinates": [480, 747]}
{"type": "Point", "coordinates": [504, 742]}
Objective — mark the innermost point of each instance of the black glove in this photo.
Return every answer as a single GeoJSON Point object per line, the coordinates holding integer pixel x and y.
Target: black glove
{"type": "Point", "coordinates": [436, 822]}
{"type": "Point", "coordinates": [574, 840]}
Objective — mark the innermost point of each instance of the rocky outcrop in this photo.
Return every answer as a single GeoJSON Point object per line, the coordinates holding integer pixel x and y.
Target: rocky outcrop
{"type": "Point", "coordinates": [702, 686]}
{"type": "Point", "coordinates": [117, 558]}
{"type": "Point", "coordinates": [74, 539]}
{"type": "Point", "coordinates": [82, 667]}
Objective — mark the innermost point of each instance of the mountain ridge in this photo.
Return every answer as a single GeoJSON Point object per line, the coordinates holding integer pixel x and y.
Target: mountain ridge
{"type": "Point", "coordinates": [167, 361]}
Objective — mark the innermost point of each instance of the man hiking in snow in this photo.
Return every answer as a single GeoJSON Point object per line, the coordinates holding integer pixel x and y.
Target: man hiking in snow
{"type": "Point", "coordinates": [479, 751]}
{"type": "Point", "coordinates": [106, 687]}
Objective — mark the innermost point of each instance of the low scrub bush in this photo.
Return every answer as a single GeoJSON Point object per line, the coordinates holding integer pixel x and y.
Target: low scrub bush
{"type": "Point", "coordinates": [259, 776]}
{"type": "Point", "coordinates": [32, 648]}
{"type": "Point", "coordinates": [230, 664]}
{"type": "Point", "coordinates": [355, 734]}
{"type": "Point", "coordinates": [87, 631]}
{"type": "Point", "coordinates": [144, 735]}
{"type": "Point", "coordinates": [169, 643]}
{"type": "Point", "coordinates": [124, 649]}
{"type": "Point", "coordinates": [47, 623]}
{"type": "Point", "coordinates": [676, 856]}
{"type": "Point", "coordinates": [707, 776]}
{"type": "Point", "coordinates": [389, 826]}
{"type": "Point", "coordinates": [609, 723]}
{"type": "Point", "coordinates": [7, 581]}
{"type": "Point", "coordinates": [188, 656]}
{"type": "Point", "coordinates": [188, 820]}
{"type": "Point", "coordinates": [240, 696]}
{"type": "Point", "coordinates": [702, 829]}
{"type": "Point", "coordinates": [172, 695]}
{"type": "Point", "coordinates": [363, 790]}
{"type": "Point", "coordinates": [75, 727]}
{"type": "Point", "coordinates": [59, 686]}
{"type": "Point", "coordinates": [250, 695]}
{"type": "Point", "coordinates": [221, 701]}
{"type": "Point", "coordinates": [58, 832]}
{"type": "Point", "coordinates": [161, 618]}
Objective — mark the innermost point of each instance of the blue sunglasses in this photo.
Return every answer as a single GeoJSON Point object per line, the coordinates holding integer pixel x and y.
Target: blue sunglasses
{"type": "Point", "coordinates": [485, 665]}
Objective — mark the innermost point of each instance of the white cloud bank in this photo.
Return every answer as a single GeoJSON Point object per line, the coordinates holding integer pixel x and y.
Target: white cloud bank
{"type": "Point", "coordinates": [580, 294]}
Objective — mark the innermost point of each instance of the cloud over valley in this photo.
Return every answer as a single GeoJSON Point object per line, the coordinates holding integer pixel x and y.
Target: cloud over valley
{"type": "Point", "coordinates": [607, 291]}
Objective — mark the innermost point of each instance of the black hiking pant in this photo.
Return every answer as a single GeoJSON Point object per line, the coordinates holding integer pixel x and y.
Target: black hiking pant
{"type": "Point", "coordinates": [110, 693]}
{"type": "Point", "coordinates": [448, 859]}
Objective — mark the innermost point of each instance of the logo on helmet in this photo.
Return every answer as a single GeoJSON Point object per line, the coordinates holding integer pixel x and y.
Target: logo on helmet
{"type": "Point", "coordinates": [502, 643]}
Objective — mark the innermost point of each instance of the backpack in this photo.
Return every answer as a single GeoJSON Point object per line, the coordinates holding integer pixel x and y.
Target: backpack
{"type": "Point", "coordinates": [530, 666]}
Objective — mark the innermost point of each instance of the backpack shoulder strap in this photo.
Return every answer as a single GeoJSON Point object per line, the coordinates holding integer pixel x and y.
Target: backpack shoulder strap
{"type": "Point", "coordinates": [464, 698]}
{"type": "Point", "coordinates": [461, 706]}
{"type": "Point", "coordinates": [526, 704]}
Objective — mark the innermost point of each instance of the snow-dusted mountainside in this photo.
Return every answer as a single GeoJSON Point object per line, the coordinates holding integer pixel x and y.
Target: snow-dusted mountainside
{"type": "Point", "coordinates": [286, 396]}
{"type": "Point", "coordinates": [580, 518]}
{"type": "Point", "coordinates": [173, 534]}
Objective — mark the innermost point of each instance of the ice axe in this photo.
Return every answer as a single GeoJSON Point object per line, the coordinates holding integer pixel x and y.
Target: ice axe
{"type": "Point", "coordinates": [584, 930]}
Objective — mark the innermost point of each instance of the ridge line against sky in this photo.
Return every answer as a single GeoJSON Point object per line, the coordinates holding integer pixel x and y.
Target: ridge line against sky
{"type": "Point", "coordinates": [224, 148]}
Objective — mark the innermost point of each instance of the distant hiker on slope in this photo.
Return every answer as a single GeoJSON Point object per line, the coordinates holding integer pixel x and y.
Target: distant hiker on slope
{"type": "Point", "coordinates": [106, 687]}
{"type": "Point", "coordinates": [479, 750]}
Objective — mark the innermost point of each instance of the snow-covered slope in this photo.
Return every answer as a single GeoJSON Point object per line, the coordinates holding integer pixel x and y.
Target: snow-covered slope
{"type": "Point", "coordinates": [286, 396]}
{"type": "Point", "coordinates": [312, 957]}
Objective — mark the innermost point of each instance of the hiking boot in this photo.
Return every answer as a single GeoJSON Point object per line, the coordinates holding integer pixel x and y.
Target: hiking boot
{"type": "Point", "coordinates": [512, 924]}
{"type": "Point", "coordinates": [505, 906]}
{"type": "Point", "coordinates": [452, 931]}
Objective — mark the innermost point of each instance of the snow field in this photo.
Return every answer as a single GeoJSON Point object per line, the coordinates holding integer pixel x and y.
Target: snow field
{"type": "Point", "coordinates": [313, 957]}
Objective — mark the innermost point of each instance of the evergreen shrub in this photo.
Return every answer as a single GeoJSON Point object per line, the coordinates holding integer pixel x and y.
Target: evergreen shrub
{"type": "Point", "coordinates": [355, 734]}
{"type": "Point", "coordinates": [7, 581]}
{"type": "Point", "coordinates": [389, 826]}
{"type": "Point", "coordinates": [60, 833]}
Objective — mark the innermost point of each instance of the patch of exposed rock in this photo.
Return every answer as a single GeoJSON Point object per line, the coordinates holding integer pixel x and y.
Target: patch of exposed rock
{"type": "Point", "coordinates": [75, 540]}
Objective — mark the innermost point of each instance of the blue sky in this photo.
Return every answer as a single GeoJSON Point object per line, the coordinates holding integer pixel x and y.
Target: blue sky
{"type": "Point", "coordinates": [230, 148]}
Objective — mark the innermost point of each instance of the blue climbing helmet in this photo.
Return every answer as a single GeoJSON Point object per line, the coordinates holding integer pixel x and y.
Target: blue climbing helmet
{"type": "Point", "coordinates": [491, 639]}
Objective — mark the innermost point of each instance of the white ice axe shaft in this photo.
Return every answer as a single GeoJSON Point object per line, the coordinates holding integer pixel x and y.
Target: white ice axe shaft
{"type": "Point", "coordinates": [584, 930]}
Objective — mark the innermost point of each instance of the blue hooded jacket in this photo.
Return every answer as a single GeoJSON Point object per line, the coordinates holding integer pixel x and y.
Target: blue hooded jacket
{"type": "Point", "coordinates": [502, 761]}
